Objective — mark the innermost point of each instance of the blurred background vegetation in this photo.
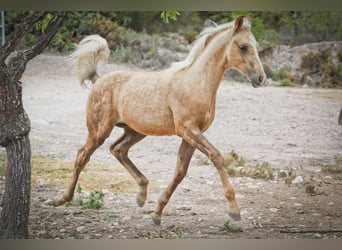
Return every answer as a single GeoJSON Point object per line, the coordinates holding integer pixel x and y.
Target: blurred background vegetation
{"type": "Point", "coordinates": [270, 28]}
{"type": "Point", "coordinates": [145, 40]}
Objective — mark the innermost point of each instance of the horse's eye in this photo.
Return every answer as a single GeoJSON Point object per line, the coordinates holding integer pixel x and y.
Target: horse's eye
{"type": "Point", "coordinates": [243, 48]}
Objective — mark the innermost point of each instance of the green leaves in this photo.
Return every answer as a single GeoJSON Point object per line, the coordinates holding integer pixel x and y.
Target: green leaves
{"type": "Point", "coordinates": [95, 201]}
{"type": "Point", "coordinates": [169, 15]}
{"type": "Point", "coordinates": [41, 25]}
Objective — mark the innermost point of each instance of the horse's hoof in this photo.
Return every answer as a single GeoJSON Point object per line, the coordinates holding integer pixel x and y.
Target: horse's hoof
{"type": "Point", "coordinates": [235, 215]}
{"type": "Point", "coordinates": [156, 220]}
{"type": "Point", "coordinates": [51, 203]}
{"type": "Point", "coordinates": [140, 203]}
{"type": "Point", "coordinates": [56, 203]}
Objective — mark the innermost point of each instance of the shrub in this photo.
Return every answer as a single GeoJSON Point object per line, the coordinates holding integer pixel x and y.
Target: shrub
{"type": "Point", "coordinates": [190, 35]}
{"type": "Point", "coordinates": [284, 76]}
{"type": "Point", "coordinates": [319, 67]}
{"type": "Point", "coordinates": [111, 31]}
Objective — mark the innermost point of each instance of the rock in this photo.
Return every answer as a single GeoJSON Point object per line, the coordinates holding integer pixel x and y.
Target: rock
{"type": "Point", "coordinates": [41, 182]}
{"type": "Point", "coordinates": [273, 210]}
{"type": "Point", "coordinates": [298, 180]}
{"type": "Point", "coordinates": [80, 228]}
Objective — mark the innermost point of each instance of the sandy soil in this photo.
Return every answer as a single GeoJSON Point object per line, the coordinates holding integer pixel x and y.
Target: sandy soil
{"type": "Point", "coordinates": [289, 128]}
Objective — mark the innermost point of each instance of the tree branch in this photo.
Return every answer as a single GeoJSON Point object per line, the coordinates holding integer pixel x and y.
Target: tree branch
{"type": "Point", "coordinates": [18, 63]}
{"type": "Point", "coordinates": [46, 37]}
{"type": "Point", "coordinates": [19, 32]}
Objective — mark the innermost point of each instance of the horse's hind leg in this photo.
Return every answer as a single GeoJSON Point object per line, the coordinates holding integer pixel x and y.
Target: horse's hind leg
{"type": "Point", "coordinates": [120, 150]}
{"type": "Point", "coordinates": [100, 124]}
{"type": "Point", "coordinates": [93, 141]}
{"type": "Point", "coordinates": [184, 156]}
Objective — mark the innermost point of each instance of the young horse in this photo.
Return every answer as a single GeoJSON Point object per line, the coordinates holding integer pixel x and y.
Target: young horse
{"type": "Point", "coordinates": [179, 101]}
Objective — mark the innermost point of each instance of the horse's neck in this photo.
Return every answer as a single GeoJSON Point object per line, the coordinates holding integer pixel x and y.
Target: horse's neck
{"type": "Point", "coordinates": [209, 68]}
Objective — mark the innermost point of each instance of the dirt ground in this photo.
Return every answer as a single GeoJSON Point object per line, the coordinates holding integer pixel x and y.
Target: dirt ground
{"type": "Point", "coordinates": [288, 128]}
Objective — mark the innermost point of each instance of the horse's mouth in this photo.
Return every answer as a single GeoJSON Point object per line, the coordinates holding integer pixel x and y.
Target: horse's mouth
{"type": "Point", "coordinates": [256, 85]}
{"type": "Point", "coordinates": [258, 81]}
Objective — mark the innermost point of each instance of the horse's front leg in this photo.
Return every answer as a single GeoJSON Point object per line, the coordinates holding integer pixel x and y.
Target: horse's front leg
{"type": "Point", "coordinates": [199, 141]}
{"type": "Point", "coordinates": [184, 156]}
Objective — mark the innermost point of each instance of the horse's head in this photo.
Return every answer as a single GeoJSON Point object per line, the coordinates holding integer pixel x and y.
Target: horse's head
{"type": "Point", "coordinates": [243, 54]}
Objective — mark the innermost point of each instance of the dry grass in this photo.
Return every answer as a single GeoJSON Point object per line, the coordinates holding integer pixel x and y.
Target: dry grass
{"type": "Point", "coordinates": [96, 176]}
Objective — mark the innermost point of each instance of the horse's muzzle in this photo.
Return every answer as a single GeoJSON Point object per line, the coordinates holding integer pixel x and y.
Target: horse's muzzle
{"type": "Point", "coordinates": [258, 80]}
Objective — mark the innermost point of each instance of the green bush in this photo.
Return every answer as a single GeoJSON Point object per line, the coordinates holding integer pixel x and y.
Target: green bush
{"type": "Point", "coordinates": [284, 76]}
{"type": "Point", "coordinates": [190, 35]}
{"type": "Point", "coordinates": [108, 29]}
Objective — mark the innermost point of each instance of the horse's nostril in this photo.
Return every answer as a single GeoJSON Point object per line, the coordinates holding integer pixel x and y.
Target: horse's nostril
{"type": "Point", "coordinates": [260, 79]}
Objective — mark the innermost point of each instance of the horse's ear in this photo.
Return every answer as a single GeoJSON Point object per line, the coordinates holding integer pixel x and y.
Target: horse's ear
{"type": "Point", "coordinates": [238, 23]}
{"type": "Point", "coordinates": [242, 22]}
{"type": "Point", "coordinates": [247, 21]}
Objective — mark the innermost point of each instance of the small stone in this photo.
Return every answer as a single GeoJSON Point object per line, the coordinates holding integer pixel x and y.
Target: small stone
{"type": "Point", "coordinates": [126, 218]}
{"type": "Point", "coordinates": [298, 180]}
{"type": "Point", "coordinates": [273, 210]}
{"type": "Point", "coordinates": [42, 233]}
{"type": "Point", "coordinates": [62, 230]}
{"type": "Point", "coordinates": [80, 228]}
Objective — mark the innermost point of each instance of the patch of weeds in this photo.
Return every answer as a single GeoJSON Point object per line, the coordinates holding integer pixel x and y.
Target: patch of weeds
{"type": "Point", "coordinates": [233, 159]}
{"type": "Point", "coordinates": [76, 235]}
{"type": "Point", "coordinates": [236, 165]}
{"type": "Point", "coordinates": [289, 174]}
{"type": "Point", "coordinates": [227, 227]}
{"type": "Point", "coordinates": [95, 201]}
{"type": "Point", "coordinates": [310, 188]}
{"type": "Point", "coordinates": [335, 168]}
{"type": "Point", "coordinates": [203, 160]}
{"type": "Point", "coordinates": [285, 78]}
{"type": "Point", "coordinates": [263, 171]}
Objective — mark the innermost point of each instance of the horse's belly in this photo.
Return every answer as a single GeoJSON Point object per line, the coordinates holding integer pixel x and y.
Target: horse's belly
{"type": "Point", "coordinates": [149, 121]}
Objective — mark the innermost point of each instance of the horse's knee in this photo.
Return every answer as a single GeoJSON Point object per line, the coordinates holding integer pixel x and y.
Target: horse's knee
{"type": "Point", "coordinates": [116, 151]}
{"type": "Point", "coordinates": [217, 159]}
{"type": "Point", "coordinates": [143, 181]}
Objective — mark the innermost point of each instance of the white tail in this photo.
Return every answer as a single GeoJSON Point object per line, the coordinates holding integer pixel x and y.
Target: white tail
{"type": "Point", "coordinates": [88, 53]}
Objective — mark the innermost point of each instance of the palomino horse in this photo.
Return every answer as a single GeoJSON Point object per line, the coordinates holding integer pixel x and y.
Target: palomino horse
{"type": "Point", "coordinates": [179, 101]}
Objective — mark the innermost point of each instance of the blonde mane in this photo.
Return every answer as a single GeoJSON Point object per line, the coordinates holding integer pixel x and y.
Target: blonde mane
{"type": "Point", "coordinates": [200, 44]}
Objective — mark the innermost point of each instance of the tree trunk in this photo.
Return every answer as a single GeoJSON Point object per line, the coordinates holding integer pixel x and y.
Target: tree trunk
{"type": "Point", "coordinates": [15, 126]}
{"type": "Point", "coordinates": [14, 216]}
